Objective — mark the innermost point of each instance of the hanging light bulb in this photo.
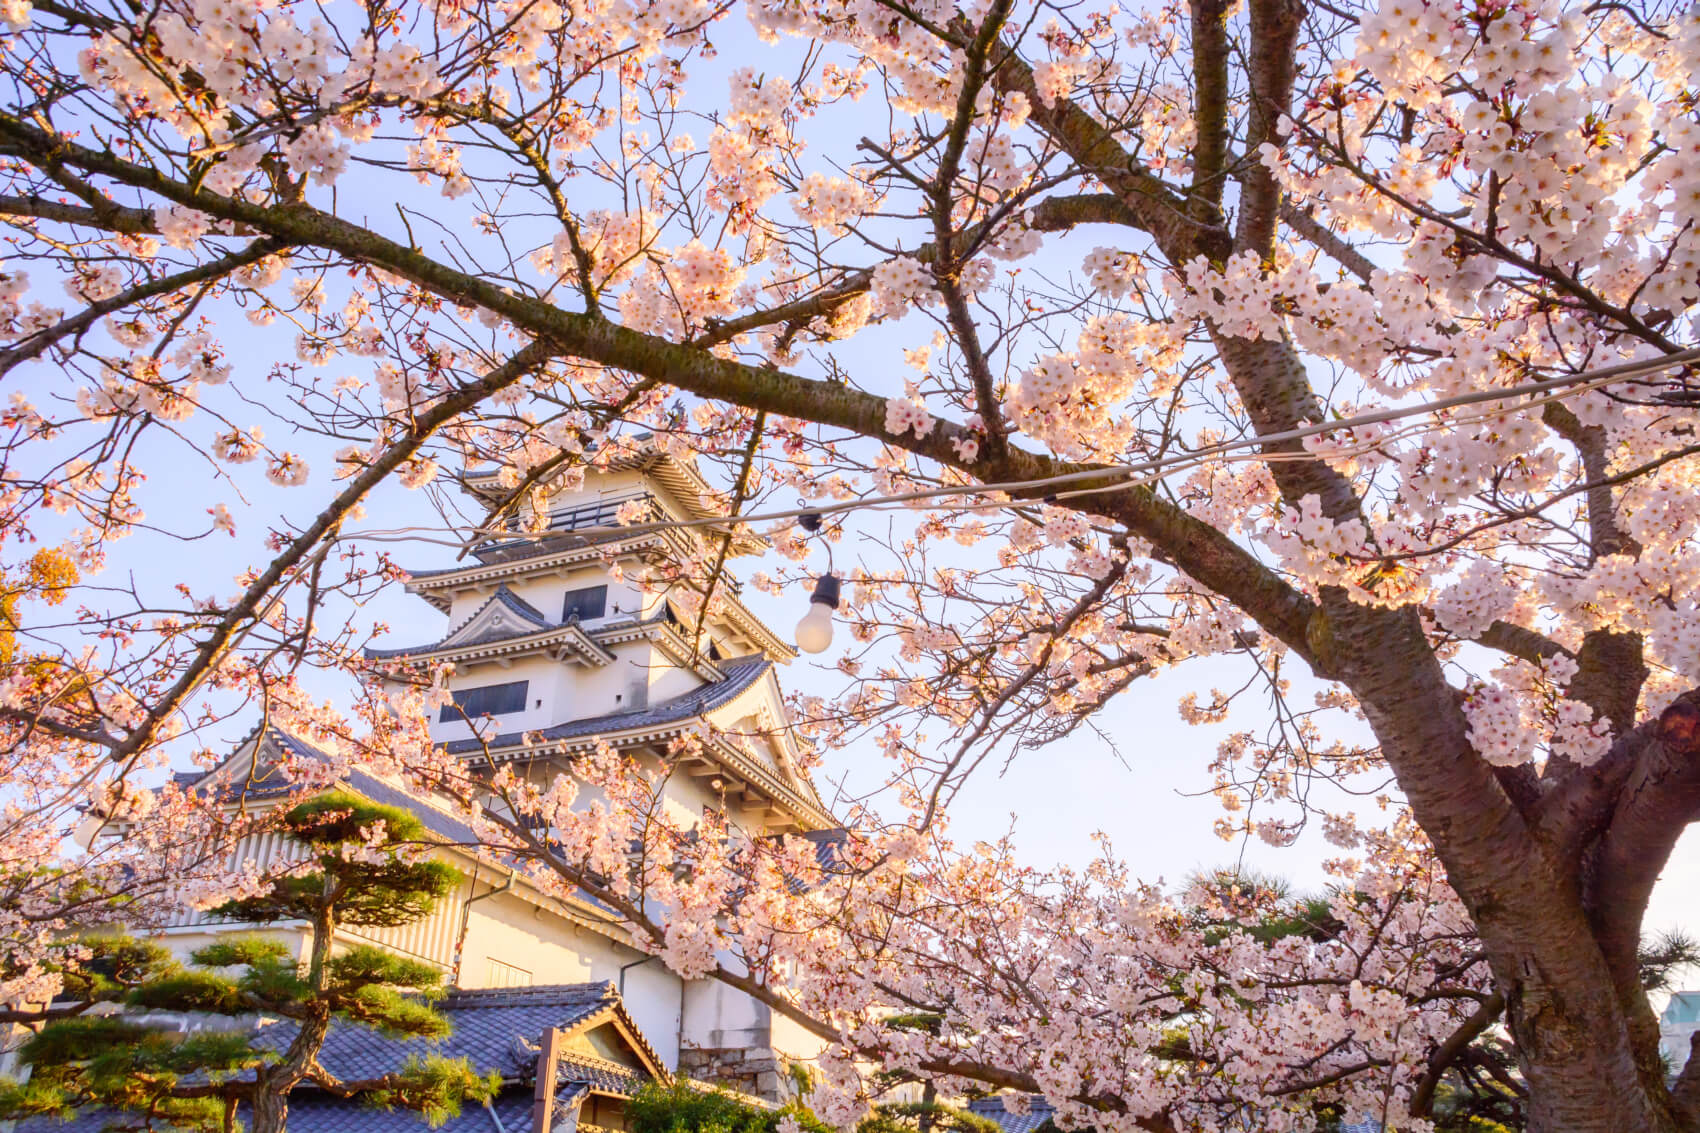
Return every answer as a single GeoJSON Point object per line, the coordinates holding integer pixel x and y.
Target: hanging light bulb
{"type": "Point", "coordinates": [814, 632]}
{"type": "Point", "coordinates": [88, 830]}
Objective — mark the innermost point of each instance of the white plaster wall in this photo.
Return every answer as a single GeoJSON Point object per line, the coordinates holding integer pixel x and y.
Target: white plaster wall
{"type": "Point", "coordinates": [653, 999]}
{"type": "Point", "coordinates": [509, 929]}
{"type": "Point", "coordinates": [795, 1041]}
{"type": "Point", "coordinates": [685, 796]}
{"type": "Point", "coordinates": [546, 592]}
{"type": "Point", "coordinates": [567, 690]}
{"type": "Point", "coordinates": [541, 674]}
{"type": "Point", "coordinates": [1674, 1040]}
{"type": "Point", "coordinates": [667, 680]}
{"type": "Point", "coordinates": [577, 691]}
{"type": "Point", "coordinates": [718, 1016]}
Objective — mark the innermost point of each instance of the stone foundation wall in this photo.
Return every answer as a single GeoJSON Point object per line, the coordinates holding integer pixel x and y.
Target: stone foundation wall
{"type": "Point", "coordinates": [748, 1071]}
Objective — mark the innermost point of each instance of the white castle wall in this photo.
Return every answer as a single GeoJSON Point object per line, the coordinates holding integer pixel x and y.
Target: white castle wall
{"type": "Point", "coordinates": [561, 692]}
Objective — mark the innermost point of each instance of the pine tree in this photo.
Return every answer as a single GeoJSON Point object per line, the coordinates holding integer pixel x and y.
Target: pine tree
{"type": "Point", "coordinates": [364, 867]}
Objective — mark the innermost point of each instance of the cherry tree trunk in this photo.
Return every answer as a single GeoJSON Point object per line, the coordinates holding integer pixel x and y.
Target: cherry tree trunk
{"type": "Point", "coordinates": [1577, 1053]}
{"type": "Point", "coordinates": [1564, 956]}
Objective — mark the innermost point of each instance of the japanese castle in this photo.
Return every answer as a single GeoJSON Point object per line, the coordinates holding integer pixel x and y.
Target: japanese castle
{"type": "Point", "coordinates": [556, 646]}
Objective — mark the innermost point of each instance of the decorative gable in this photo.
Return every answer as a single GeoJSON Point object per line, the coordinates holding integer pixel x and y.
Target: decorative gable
{"type": "Point", "coordinates": [504, 615]}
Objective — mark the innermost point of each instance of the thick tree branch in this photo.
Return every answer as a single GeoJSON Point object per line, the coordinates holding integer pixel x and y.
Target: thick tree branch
{"type": "Point", "coordinates": [1485, 1015]}
{"type": "Point", "coordinates": [1685, 1091]}
{"type": "Point", "coordinates": [112, 217]}
{"type": "Point", "coordinates": [1209, 106]}
{"type": "Point", "coordinates": [1660, 797]}
{"type": "Point", "coordinates": [1270, 72]}
{"type": "Point", "coordinates": [1052, 214]}
{"type": "Point", "coordinates": [1196, 547]}
{"type": "Point", "coordinates": [1154, 206]}
{"type": "Point", "coordinates": [1518, 641]}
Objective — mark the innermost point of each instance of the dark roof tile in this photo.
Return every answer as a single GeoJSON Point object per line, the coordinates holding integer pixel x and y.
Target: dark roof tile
{"type": "Point", "coordinates": [597, 1074]}
{"type": "Point", "coordinates": [497, 1029]}
{"type": "Point", "coordinates": [274, 780]}
{"type": "Point", "coordinates": [494, 1030]}
{"type": "Point", "coordinates": [311, 1112]}
{"type": "Point", "coordinates": [1038, 1112]}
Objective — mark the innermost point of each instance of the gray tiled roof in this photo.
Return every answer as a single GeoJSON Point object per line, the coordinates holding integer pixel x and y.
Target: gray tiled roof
{"type": "Point", "coordinates": [596, 1074]}
{"type": "Point", "coordinates": [495, 1030]}
{"type": "Point", "coordinates": [491, 1030]}
{"type": "Point", "coordinates": [741, 673]}
{"type": "Point", "coordinates": [1038, 1112]}
{"type": "Point", "coordinates": [497, 551]}
{"type": "Point", "coordinates": [274, 781]}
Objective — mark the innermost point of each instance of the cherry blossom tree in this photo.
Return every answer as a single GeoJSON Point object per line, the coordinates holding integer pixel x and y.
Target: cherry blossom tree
{"type": "Point", "coordinates": [1350, 345]}
{"type": "Point", "coordinates": [176, 852]}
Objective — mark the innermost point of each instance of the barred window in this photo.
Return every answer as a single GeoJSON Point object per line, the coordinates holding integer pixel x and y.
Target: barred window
{"type": "Point", "coordinates": [485, 700]}
{"type": "Point", "coordinates": [507, 975]}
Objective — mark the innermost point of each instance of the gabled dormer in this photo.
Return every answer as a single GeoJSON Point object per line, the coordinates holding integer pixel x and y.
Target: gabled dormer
{"type": "Point", "coordinates": [504, 614]}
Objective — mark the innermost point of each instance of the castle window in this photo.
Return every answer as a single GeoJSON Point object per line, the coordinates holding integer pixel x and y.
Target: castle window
{"type": "Point", "coordinates": [590, 602]}
{"type": "Point", "coordinates": [485, 700]}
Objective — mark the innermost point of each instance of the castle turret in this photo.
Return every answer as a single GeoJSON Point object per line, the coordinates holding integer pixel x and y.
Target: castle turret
{"type": "Point", "coordinates": [557, 645]}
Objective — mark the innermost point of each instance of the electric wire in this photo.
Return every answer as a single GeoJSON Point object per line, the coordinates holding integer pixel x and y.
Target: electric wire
{"type": "Point", "coordinates": [1119, 476]}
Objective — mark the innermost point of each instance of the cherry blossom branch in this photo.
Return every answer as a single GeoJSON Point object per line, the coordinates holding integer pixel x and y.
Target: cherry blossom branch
{"type": "Point", "coordinates": [947, 268]}
{"type": "Point", "coordinates": [258, 594]}
{"type": "Point", "coordinates": [1328, 240]}
{"type": "Point", "coordinates": [1087, 602]}
{"type": "Point", "coordinates": [36, 344]}
{"type": "Point", "coordinates": [1491, 244]}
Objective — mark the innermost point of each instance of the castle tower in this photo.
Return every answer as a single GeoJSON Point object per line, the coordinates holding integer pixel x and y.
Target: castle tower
{"type": "Point", "coordinates": [556, 647]}
{"type": "Point", "coordinates": [552, 638]}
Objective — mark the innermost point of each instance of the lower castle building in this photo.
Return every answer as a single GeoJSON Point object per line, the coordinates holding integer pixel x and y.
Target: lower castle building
{"type": "Point", "coordinates": [568, 1056]}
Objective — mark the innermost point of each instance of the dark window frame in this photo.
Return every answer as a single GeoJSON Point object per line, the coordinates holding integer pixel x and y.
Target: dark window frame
{"type": "Point", "coordinates": [480, 696]}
